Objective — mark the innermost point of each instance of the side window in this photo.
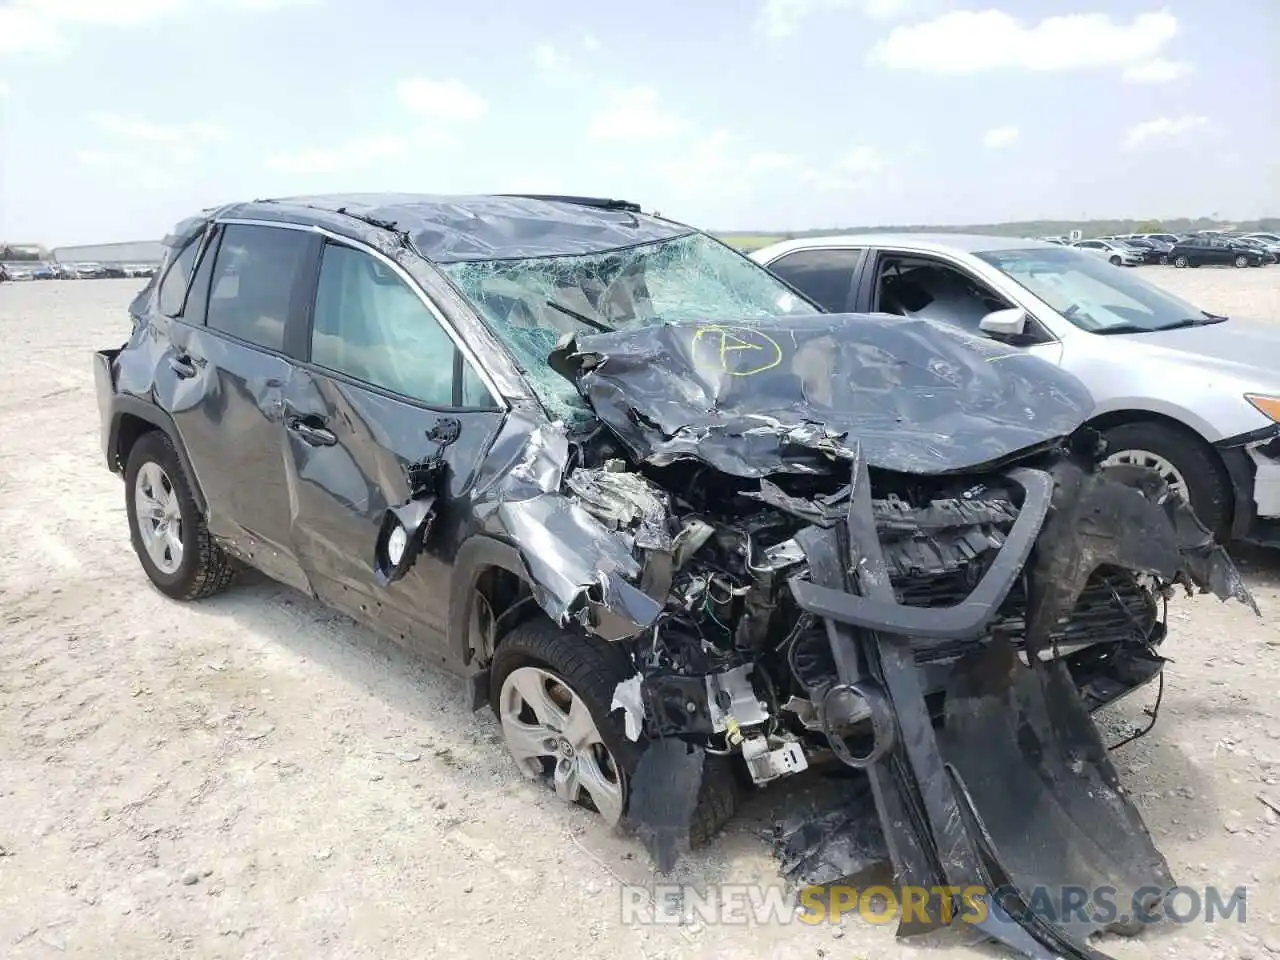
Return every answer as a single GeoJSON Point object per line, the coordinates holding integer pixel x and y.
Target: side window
{"type": "Point", "coordinates": [919, 287]}
{"type": "Point", "coordinates": [173, 289]}
{"type": "Point", "coordinates": [253, 280]}
{"type": "Point", "coordinates": [371, 326]}
{"type": "Point", "coordinates": [824, 276]}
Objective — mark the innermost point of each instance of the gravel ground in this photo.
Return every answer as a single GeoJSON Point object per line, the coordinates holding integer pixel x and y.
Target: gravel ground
{"type": "Point", "coordinates": [255, 776]}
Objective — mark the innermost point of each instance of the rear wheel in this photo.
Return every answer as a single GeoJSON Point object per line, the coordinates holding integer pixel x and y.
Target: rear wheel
{"type": "Point", "coordinates": [1187, 464]}
{"type": "Point", "coordinates": [552, 691]}
{"type": "Point", "coordinates": [1180, 262]}
{"type": "Point", "coordinates": [167, 529]}
{"type": "Point", "coordinates": [1241, 261]}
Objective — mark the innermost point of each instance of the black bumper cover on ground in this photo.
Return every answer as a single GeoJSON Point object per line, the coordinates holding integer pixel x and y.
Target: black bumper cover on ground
{"type": "Point", "coordinates": [1016, 794]}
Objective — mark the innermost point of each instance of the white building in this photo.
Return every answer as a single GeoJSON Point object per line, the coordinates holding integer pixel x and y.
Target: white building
{"type": "Point", "coordinates": [141, 251]}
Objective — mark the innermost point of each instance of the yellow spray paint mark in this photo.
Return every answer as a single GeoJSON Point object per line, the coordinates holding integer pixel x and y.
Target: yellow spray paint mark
{"type": "Point", "coordinates": [725, 349]}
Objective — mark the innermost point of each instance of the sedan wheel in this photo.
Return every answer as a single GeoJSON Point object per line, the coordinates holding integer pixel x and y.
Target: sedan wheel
{"type": "Point", "coordinates": [550, 732]}
{"type": "Point", "coordinates": [159, 517]}
{"type": "Point", "coordinates": [1242, 261]}
{"type": "Point", "coordinates": [1180, 262]}
{"type": "Point", "coordinates": [1145, 458]}
{"type": "Point", "coordinates": [1115, 261]}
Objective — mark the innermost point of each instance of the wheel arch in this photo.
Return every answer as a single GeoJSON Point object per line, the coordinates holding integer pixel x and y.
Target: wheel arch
{"type": "Point", "coordinates": [1114, 418]}
{"type": "Point", "coordinates": [133, 418]}
{"type": "Point", "coordinates": [492, 570]}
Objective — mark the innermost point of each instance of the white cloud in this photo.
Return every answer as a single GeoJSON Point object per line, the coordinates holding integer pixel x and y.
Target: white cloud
{"type": "Point", "coordinates": [449, 100]}
{"type": "Point", "coordinates": [4, 89]}
{"type": "Point", "coordinates": [858, 168]}
{"type": "Point", "coordinates": [861, 160]}
{"type": "Point", "coordinates": [1163, 128]}
{"type": "Point", "coordinates": [354, 155]}
{"type": "Point", "coordinates": [39, 26]}
{"type": "Point", "coordinates": [1158, 70]}
{"type": "Point", "coordinates": [779, 19]}
{"type": "Point", "coordinates": [998, 137]}
{"type": "Point", "coordinates": [131, 167]}
{"type": "Point", "coordinates": [719, 165]}
{"type": "Point", "coordinates": [590, 43]}
{"type": "Point", "coordinates": [968, 41]}
{"type": "Point", "coordinates": [546, 57]}
{"type": "Point", "coordinates": [178, 134]}
{"type": "Point", "coordinates": [635, 114]}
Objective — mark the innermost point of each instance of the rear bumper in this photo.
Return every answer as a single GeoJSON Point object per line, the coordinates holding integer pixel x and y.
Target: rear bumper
{"type": "Point", "coordinates": [104, 385]}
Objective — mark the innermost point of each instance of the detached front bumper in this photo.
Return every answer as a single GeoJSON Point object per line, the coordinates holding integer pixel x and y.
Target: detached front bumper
{"type": "Point", "coordinates": [1253, 465]}
{"type": "Point", "coordinates": [1016, 792]}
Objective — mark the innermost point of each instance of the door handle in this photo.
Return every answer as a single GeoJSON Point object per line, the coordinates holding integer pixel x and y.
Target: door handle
{"type": "Point", "coordinates": [311, 432]}
{"type": "Point", "coordinates": [183, 367]}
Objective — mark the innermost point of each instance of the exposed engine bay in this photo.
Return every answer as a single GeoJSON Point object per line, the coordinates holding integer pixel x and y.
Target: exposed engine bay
{"type": "Point", "coordinates": [735, 663]}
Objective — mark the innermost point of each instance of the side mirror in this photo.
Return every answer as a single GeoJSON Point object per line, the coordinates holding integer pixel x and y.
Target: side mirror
{"type": "Point", "coordinates": [1005, 323]}
{"type": "Point", "coordinates": [403, 531]}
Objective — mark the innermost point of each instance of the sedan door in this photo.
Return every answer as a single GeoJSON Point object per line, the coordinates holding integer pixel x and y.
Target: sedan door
{"type": "Point", "coordinates": [383, 390]}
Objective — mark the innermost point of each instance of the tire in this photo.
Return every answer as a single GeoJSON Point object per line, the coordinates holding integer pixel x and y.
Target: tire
{"type": "Point", "coordinates": [1115, 261]}
{"type": "Point", "coordinates": [1241, 262]}
{"type": "Point", "coordinates": [1180, 262]}
{"type": "Point", "coordinates": [591, 668]}
{"type": "Point", "coordinates": [204, 569]}
{"type": "Point", "coordinates": [1208, 488]}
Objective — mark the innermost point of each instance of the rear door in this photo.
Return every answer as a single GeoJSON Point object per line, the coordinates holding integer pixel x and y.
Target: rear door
{"type": "Point", "coordinates": [825, 275]}
{"type": "Point", "coordinates": [383, 385]}
{"type": "Point", "coordinates": [226, 368]}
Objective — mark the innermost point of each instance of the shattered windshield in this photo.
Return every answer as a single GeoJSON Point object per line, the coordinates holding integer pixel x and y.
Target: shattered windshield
{"type": "Point", "coordinates": [1091, 293]}
{"type": "Point", "coordinates": [530, 304]}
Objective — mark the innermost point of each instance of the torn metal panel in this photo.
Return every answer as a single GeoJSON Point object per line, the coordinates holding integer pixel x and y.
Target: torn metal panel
{"type": "Point", "coordinates": [792, 395]}
{"type": "Point", "coordinates": [1040, 784]}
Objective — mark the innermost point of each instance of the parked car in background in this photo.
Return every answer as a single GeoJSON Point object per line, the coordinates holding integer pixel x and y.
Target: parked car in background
{"type": "Point", "coordinates": [1153, 251]}
{"type": "Point", "coordinates": [1169, 238]}
{"type": "Point", "coordinates": [1114, 252]}
{"type": "Point", "coordinates": [1264, 237]}
{"type": "Point", "coordinates": [1198, 251]}
{"type": "Point", "coordinates": [44, 271]}
{"type": "Point", "coordinates": [1194, 394]}
{"type": "Point", "coordinates": [1271, 250]}
{"type": "Point", "coordinates": [19, 271]}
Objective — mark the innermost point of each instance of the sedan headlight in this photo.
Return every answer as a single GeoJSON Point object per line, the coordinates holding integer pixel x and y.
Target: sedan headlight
{"type": "Point", "coordinates": [1267, 406]}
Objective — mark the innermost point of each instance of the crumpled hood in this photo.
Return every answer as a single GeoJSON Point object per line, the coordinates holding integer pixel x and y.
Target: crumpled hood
{"type": "Point", "coordinates": [786, 395]}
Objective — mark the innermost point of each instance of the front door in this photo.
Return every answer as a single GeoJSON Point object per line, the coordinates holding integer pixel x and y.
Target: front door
{"type": "Point", "coordinates": [227, 368]}
{"type": "Point", "coordinates": [383, 387]}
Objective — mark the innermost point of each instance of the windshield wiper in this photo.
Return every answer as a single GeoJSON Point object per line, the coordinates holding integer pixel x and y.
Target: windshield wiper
{"type": "Point", "coordinates": [580, 317]}
{"type": "Point", "coordinates": [1202, 321]}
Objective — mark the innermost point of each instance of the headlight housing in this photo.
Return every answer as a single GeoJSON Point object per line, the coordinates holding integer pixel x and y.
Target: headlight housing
{"type": "Point", "coordinates": [1267, 406]}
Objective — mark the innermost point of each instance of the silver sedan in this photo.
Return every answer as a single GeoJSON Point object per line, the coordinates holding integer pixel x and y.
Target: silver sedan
{"type": "Point", "coordinates": [1191, 393]}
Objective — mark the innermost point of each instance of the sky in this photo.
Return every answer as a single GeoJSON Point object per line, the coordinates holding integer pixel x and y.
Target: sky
{"type": "Point", "coordinates": [120, 117]}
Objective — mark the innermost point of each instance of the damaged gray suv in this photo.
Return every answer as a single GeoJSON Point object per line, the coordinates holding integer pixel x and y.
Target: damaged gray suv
{"type": "Point", "coordinates": [683, 532]}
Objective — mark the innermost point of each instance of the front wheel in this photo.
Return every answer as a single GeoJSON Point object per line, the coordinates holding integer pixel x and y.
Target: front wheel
{"type": "Point", "coordinates": [552, 691]}
{"type": "Point", "coordinates": [1180, 262]}
{"type": "Point", "coordinates": [1115, 261]}
{"type": "Point", "coordinates": [1186, 463]}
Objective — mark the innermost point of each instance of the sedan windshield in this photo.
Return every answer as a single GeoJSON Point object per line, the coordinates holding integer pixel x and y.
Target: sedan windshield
{"type": "Point", "coordinates": [1091, 293]}
{"type": "Point", "coordinates": [530, 304]}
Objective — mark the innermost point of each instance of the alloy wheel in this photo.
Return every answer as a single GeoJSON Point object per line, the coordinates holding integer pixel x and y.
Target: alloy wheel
{"type": "Point", "coordinates": [159, 517]}
{"type": "Point", "coordinates": [552, 735]}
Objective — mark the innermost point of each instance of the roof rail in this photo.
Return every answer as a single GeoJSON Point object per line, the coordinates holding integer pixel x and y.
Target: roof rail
{"type": "Point", "coordinates": [601, 203]}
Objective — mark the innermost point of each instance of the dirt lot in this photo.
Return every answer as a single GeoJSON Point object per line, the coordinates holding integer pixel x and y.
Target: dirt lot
{"type": "Point", "coordinates": [254, 776]}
